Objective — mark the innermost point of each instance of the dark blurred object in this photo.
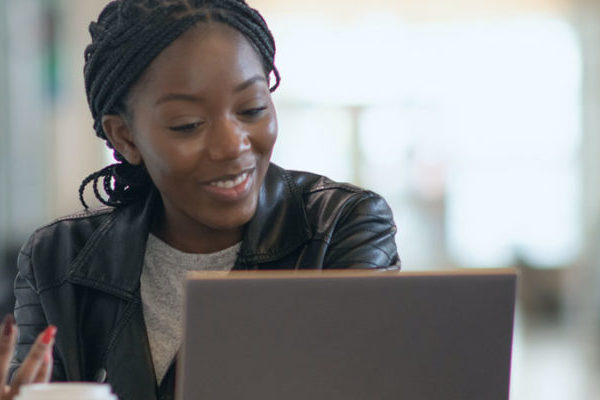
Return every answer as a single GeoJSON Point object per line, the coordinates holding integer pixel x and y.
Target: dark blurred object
{"type": "Point", "coordinates": [8, 271]}
{"type": "Point", "coordinates": [541, 292]}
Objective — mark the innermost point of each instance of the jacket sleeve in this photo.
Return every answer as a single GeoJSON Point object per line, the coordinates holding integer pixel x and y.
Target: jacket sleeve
{"type": "Point", "coordinates": [29, 314]}
{"type": "Point", "coordinates": [364, 236]}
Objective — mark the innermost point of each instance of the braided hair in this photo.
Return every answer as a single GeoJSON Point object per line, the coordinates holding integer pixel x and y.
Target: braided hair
{"type": "Point", "coordinates": [127, 37]}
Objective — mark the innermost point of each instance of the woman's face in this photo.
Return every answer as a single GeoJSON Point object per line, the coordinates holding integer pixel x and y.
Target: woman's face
{"type": "Point", "coordinates": [203, 124]}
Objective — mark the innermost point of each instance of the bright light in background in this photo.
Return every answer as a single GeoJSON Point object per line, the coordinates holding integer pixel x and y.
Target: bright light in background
{"type": "Point", "coordinates": [513, 138]}
{"type": "Point", "coordinates": [338, 64]}
{"type": "Point", "coordinates": [322, 129]}
{"type": "Point", "coordinates": [469, 129]}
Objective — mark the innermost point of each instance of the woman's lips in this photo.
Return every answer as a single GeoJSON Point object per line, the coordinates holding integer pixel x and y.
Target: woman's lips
{"type": "Point", "coordinates": [233, 187]}
{"type": "Point", "coordinates": [232, 182]}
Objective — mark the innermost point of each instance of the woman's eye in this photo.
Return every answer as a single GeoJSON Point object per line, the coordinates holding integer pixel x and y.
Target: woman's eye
{"type": "Point", "coordinates": [186, 127]}
{"type": "Point", "coordinates": [253, 112]}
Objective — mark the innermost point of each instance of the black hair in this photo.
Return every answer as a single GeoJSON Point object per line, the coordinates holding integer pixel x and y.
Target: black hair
{"type": "Point", "coordinates": [127, 37]}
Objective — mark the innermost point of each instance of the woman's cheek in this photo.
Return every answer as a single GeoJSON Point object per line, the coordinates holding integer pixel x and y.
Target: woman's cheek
{"type": "Point", "coordinates": [270, 136]}
{"type": "Point", "coordinates": [173, 156]}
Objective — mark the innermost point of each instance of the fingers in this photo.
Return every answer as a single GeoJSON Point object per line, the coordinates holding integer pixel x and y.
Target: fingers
{"type": "Point", "coordinates": [8, 337]}
{"type": "Point", "coordinates": [45, 370]}
{"type": "Point", "coordinates": [33, 367]}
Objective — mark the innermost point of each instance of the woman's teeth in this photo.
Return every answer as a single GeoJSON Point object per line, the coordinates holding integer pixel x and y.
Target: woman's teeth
{"type": "Point", "coordinates": [228, 184]}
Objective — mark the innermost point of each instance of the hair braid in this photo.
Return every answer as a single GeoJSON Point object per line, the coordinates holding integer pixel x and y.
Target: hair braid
{"type": "Point", "coordinates": [249, 31]}
{"type": "Point", "coordinates": [127, 37]}
{"type": "Point", "coordinates": [250, 23]}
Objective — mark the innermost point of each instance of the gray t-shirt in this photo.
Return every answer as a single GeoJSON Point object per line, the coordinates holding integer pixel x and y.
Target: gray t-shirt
{"type": "Point", "coordinates": [162, 287]}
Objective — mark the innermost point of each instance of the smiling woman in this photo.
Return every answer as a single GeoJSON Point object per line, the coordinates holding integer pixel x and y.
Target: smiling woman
{"type": "Point", "coordinates": [202, 123]}
{"type": "Point", "coordinates": [180, 89]}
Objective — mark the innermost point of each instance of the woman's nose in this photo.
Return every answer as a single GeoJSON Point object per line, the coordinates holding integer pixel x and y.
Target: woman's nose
{"type": "Point", "coordinates": [228, 140]}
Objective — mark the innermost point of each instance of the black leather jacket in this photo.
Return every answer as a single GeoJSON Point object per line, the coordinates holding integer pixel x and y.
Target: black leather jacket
{"type": "Point", "coordinates": [82, 272]}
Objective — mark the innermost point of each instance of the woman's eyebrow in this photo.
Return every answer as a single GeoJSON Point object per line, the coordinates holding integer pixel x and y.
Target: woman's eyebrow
{"type": "Point", "coordinates": [177, 96]}
{"type": "Point", "coordinates": [249, 82]}
{"type": "Point", "coordinates": [195, 99]}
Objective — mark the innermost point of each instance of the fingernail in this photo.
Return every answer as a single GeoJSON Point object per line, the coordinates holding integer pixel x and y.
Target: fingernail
{"type": "Point", "coordinates": [49, 334]}
{"type": "Point", "coordinates": [7, 324]}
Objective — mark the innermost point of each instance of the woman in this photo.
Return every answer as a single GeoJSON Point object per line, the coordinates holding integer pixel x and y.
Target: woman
{"type": "Point", "coordinates": [180, 89]}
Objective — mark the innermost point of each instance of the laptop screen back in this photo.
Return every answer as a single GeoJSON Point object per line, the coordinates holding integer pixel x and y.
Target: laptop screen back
{"type": "Point", "coordinates": [348, 336]}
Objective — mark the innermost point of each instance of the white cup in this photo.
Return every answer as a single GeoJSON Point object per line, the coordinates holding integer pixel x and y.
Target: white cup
{"type": "Point", "coordinates": [66, 391]}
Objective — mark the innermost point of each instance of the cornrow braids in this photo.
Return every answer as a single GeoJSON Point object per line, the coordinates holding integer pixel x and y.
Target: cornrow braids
{"type": "Point", "coordinates": [127, 37]}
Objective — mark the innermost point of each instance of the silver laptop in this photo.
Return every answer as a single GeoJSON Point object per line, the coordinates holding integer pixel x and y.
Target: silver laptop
{"type": "Point", "coordinates": [348, 335]}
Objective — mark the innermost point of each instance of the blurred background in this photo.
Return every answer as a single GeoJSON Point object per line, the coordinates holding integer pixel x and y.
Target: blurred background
{"type": "Point", "coordinates": [479, 122]}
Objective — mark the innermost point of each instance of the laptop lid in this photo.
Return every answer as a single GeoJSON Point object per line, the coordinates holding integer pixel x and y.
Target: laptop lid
{"type": "Point", "coordinates": [348, 335]}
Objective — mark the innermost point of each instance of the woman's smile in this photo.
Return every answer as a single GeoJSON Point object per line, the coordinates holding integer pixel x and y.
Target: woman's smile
{"type": "Point", "coordinates": [203, 124]}
{"type": "Point", "coordinates": [231, 188]}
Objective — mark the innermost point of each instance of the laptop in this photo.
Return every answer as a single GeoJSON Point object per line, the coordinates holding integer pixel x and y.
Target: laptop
{"type": "Point", "coordinates": [348, 335]}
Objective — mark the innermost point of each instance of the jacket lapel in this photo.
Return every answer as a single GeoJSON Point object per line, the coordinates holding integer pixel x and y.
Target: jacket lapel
{"type": "Point", "coordinates": [280, 209]}
{"type": "Point", "coordinates": [113, 257]}
{"type": "Point", "coordinates": [129, 365]}
{"type": "Point", "coordinates": [112, 261]}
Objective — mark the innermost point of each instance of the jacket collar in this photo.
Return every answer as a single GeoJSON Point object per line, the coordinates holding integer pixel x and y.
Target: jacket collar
{"type": "Point", "coordinates": [113, 257]}
{"type": "Point", "coordinates": [280, 209]}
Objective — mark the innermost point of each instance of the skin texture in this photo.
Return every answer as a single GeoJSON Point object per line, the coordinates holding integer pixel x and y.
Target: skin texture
{"type": "Point", "coordinates": [37, 366]}
{"type": "Point", "coordinates": [202, 112]}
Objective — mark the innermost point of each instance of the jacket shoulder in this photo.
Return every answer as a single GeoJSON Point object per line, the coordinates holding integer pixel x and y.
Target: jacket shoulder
{"type": "Point", "coordinates": [310, 183]}
{"type": "Point", "coordinates": [48, 252]}
{"type": "Point", "coordinates": [355, 224]}
{"type": "Point", "coordinates": [318, 188]}
{"type": "Point", "coordinates": [329, 201]}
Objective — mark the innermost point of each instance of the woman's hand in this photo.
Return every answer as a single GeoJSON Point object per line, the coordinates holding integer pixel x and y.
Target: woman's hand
{"type": "Point", "coordinates": [37, 366]}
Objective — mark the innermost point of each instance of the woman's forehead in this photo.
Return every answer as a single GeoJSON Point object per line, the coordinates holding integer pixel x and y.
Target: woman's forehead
{"type": "Point", "coordinates": [206, 52]}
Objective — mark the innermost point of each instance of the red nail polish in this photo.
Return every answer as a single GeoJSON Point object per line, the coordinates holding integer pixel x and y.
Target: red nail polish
{"type": "Point", "coordinates": [49, 334]}
{"type": "Point", "coordinates": [7, 324]}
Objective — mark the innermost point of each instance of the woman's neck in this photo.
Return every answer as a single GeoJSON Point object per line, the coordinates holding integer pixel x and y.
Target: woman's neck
{"type": "Point", "coordinates": [193, 237]}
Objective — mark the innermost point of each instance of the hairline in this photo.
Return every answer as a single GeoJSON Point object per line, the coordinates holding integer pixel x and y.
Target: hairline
{"type": "Point", "coordinates": [123, 106]}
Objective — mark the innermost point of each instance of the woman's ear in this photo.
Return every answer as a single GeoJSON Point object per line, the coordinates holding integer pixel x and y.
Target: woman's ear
{"type": "Point", "coordinates": [119, 134]}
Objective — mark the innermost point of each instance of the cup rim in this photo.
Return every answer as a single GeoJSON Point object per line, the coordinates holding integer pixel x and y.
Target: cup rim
{"type": "Point", "coordinates": [65, 386]}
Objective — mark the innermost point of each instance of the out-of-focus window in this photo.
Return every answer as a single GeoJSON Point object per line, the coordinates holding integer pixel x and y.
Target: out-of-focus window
{"type": "Point", "coordinates": [469, 129]}
{"type": "Point", "coordinates": [27, 96]}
